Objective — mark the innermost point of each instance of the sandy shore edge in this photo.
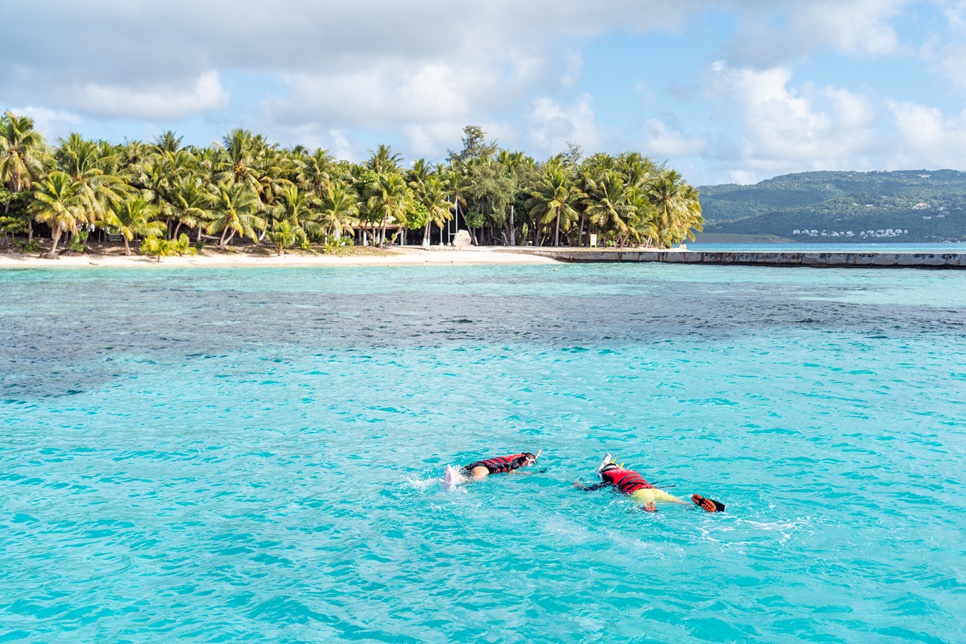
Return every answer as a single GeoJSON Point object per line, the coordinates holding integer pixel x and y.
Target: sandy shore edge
{"type": "Point", "coordinates": [394, 257]}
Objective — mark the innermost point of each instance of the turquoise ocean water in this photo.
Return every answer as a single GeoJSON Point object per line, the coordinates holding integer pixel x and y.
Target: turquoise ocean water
{"type": "Point", "coordinates": [252, 454]}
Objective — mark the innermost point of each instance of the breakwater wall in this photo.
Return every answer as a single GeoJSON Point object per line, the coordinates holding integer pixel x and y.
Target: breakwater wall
{"type": "Point", "coordinates": [759, 258]}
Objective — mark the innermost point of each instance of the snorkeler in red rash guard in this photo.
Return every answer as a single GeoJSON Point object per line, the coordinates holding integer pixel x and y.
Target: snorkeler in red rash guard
{"type": "Point", "coordinates": [634, 485]}
{"type": "Point", "coordinates": [498, 465]}
{"type": "Point", "coordinates": [481, 469]}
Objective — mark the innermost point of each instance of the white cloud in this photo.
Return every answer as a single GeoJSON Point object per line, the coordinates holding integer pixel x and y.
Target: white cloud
{"type": "Point", "coordinates": [774, 33]}
{"type": "Point", "coordinates": [337, 71]}
{"type": "Point", "coordinates": [336, 141]}
{"type": "Point", "coordinates": [348, 63]}
{"type": "Point", "coordinates": [429, 56]}
{"type": "Point", "coordinates": [392, 93]}
{"type": "Point", "coordinates": [946, 56]}
{"type": "Point", "coordinates": [857, 27]}
{"type": "Point", "coordinates": [154, 102]}
{"type": "Point", "coordinates": [784, 128]}
{"type": "Point", "coordinates": [551, 126]}
{"type": "Point", "coordinates": [52, 123]}
{"type": "Point", "coordinates": [950, 63]}
{"type": "Point", "coordinates": [742, 177]}
{"type": "Point", "coordinates": [926, 137]}
{"type": "Point", "coordinates": [661, 141]}
{"type": "Point", "coordinates": [342, 147]}
{"type": "Point", "coordinates": [574, 66]}
{"type": "Point", "coordinates": [430, 140]}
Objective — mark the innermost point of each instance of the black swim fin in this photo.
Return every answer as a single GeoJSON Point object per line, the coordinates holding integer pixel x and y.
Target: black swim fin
{"type": "Point", "coordinates": [704, 502]}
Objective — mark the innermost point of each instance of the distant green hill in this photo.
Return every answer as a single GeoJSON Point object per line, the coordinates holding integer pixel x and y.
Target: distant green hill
{"type": "Point", "coordinates": [904, 206]}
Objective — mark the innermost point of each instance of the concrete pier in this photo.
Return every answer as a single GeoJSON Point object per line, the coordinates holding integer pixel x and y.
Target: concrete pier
{"type": "Point", "coordinates": [758, 258]}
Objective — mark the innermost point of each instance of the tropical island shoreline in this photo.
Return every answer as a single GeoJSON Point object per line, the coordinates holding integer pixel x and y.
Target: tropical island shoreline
{"type": "Point", "coordinates": [255, 257]}
{"type": "Point", "coordinates": [395, 256]}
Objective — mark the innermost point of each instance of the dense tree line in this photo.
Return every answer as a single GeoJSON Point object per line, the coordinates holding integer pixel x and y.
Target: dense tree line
{"type": "Point", "coordinates": [246, 187]}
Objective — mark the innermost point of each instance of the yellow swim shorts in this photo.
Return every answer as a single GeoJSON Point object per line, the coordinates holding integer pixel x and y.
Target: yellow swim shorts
{"type": "Point", "coordinates": [647, 495]}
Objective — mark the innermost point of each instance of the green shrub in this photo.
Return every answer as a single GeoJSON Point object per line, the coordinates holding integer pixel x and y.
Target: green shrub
{"type": "Point", "coordinates": [339, 242]}
{"type": "Point", "coordinates": [77, 241]}
{"type": "Point", "coordinates": [183, 246]}
{"type": "Point", "coordinates": [27, 246]}
{"type": "Point", "coordinates": [157, 248]}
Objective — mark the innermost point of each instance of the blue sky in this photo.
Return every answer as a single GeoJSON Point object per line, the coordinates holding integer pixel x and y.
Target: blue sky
{"type": "Point", "coordinates": [724, 91]}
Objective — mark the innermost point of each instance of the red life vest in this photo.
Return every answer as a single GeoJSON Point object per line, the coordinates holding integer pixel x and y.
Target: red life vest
{"type": "Point", "coordinates": [627, 481]}
{"type": "Point", "coordinates": [500, 464]}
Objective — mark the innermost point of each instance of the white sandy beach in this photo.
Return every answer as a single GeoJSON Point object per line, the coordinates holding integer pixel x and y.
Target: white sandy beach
{"type": "Point", "coordinates": [405, 256]}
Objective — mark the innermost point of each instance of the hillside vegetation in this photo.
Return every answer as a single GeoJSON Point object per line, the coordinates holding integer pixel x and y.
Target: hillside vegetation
{"type": "Point", "coordinates": [903, 206]}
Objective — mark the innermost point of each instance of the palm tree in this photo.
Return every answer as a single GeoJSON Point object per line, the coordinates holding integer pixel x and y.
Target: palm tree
{"type": "Point", "coordinates": [22, 149]}
{"type": "Point", "coordinates": [457, 186]}
{"type": "Point", "coordinates": [315, 171]}
{"type": "Point", "coordinates": [158, 247]}
{"type": "Point", "coordinates": [235, 210]}
{"type": "Point", "coordinates": [205, 166]}
{"type": "Point", "coordinates": [154, 179]}
{"type": "Point", "coordinates": [636, 168]}
{"type": "Point", "coordinates": [340, 207]}
{"type": "Point", "coordinates": [554, 199]}
{"type": "Point", "coordinates": [295, 207]}
{"type": "Point", "coordinates": [167, 142]}
{"type": "Point", "coordinates": [99, 191]}
{"type": "Point", "coordinates": [433, 196]}
{"type": "Point", "coordinates": [390, 199]}
{"type": "Point", "coordinates": [273, 169]}
{"type": "Point", "coordinates": [190, 204]}
{"type": "Point", "coordinates": [284, 235]}
{"type": "Point", "coordinates": [690, 208]}
{"type": "Point", "coordinates": [133, 153]}
{"type": "Point", "coordinates": [677, 207]}
{"type": "Point", "coordinates": [419, 174]}
{"type": "Point", "coordinates": [57, 203]}
{"type": "Point", "coordinates": [642, 222]}
{"type": "Point", "coordinates": [237, 159]}
{"type": "Point", "coordinates": [21, 152]}
{"type": "Point", "coordinates": [511, 160]}
{"type": "Point", "coordinates": [608, 208]}
{"type": "Point", "coordinates": [135, 218]}
{"type": "Point", "coordinates": [182, 245]}
{"type": "Point", "coordinates": [384, 160]}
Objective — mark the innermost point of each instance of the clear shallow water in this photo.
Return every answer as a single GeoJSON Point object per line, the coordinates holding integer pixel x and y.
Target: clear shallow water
{"type": "Point", "coordinates": [208, 454]}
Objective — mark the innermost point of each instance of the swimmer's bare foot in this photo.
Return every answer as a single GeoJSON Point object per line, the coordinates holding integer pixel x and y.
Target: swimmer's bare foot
{"type": "Point", "coordinates": [708, 505]}
{"type": "Point", "coordinates": [650, 507]}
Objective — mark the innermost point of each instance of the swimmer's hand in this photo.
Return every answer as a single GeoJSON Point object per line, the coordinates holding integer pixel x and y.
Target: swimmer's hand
{"type": "Point", "coordinates": [650, 507]}
{"type": "Point", "coordinates": [590, 488]}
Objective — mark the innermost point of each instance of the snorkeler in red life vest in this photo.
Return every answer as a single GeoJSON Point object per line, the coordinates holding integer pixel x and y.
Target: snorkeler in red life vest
{"type": "Point", "coordinates": [498, 465]}
{"type": "Point", "coordinates": [481, 469]}
{"type": "Point", "coordinates": [636, 486]}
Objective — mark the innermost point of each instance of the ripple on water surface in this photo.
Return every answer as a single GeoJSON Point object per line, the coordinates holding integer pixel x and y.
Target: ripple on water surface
{"type": "Point", "coordinates": [252, 454]}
